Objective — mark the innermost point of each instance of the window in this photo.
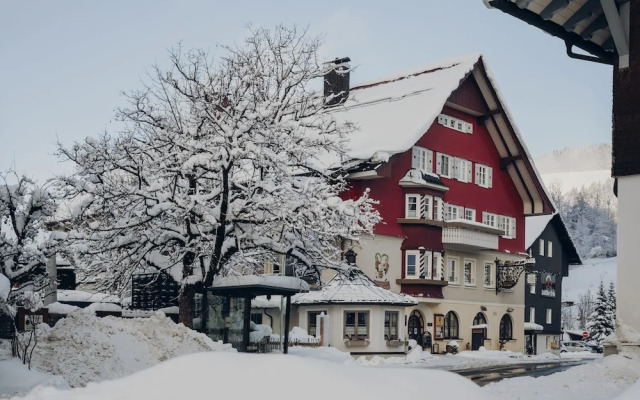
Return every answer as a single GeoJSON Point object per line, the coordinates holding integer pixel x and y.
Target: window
{"type": "Point", "coordinates": [411, 206]}
{"type": "Point", "coordinates": [451, 325]}
{"type": "Point", "coordinates": [549, 249]}
{"type": "Point", "coordinates": [256, 318]}
{"type": "Point", "coordinates": [444, 165]}
{"type": "Point", "coordinates": [411, 263]}
{"type": "Point", "coordinates": [506, 328]}
{"type": "Point", "coordinates": [438, 209]}
{"type": "Point", "coordinates": [390, 325]}
{"type": "Point", "coordinates": [484, 176]}
{"type": "Point", "coordinates": [427, 202]}
{"type": "Point", "coordinates": [532, 314]}
{"type": "Point", "coordinates": [452, 270]}
{"type": "Point", "coordinates": [469, 272]}
{"type": "Point", "coordinates": [422, 159]}
{"type": "Point", "coordinates": [532, 288]}
{"type": "Point", "coordinates": [312, 321]}
{"type": "Point", "coordinates": [489, 274]}
{"type": "Point", "coordinates": [508, 224]}
{"type": "Point", "coordinates": [489, 219]}
{"type": "Point", "coordinates": [470, 214]}
{"type": "Point", "coordinates": [356, 325]}
{"type": "Point", "coordinates": [463, 170]}
{"type": "Point", "coordinates": [437, 266]}
{"type": "Point", "coordinates": [425, 270]}
{"type": "Point", "coordinates": [548, 316]}
{"type": "Point", "coordinates": [452, 212]}
{"type": "Point", "coordinates": [541, 246]}
{"type": "Point", "coordinates": [273, 266]}
{"type": "Point", "coordinates": [455, 123]}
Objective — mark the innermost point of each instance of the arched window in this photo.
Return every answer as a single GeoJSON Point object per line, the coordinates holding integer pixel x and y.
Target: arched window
{"type": "Point", "coordinates": [480, 319]}
{"type": "Point", "coordinates": [451, 325]}
{"type": "Point", "coordinates": [506, 328]}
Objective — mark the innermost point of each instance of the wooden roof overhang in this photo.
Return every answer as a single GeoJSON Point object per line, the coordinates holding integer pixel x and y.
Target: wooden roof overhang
{"type": "Point", "coordinates": [599, 27]}
{"type": "Point", "coordinates": [514, 158]}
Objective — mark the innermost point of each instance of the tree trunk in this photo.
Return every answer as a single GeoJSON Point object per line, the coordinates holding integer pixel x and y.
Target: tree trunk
{"type": "Point", "coordinates": [185, 305]}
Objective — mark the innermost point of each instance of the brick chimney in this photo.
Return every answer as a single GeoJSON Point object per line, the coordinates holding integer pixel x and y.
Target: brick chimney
{"type": "Point", "coordinates": [336, 81]}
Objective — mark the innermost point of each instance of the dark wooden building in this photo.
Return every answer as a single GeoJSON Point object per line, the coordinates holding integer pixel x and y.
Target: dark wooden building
{"type": "Point", "coordinates": [549, 242]}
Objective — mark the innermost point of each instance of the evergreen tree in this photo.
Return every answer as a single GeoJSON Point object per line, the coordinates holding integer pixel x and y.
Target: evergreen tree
{"type": "Point", "coordinates": [611, 297]}
{"type": "Point", "coordinates": [599, 324]}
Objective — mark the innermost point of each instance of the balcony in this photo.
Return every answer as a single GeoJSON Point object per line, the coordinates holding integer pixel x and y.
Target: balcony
{"type": "Point", "coordinates": [469, 236]}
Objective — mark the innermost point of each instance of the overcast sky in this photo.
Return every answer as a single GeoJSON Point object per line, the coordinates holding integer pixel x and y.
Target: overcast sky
{"type": "Point", "coordinates": [63, 64]}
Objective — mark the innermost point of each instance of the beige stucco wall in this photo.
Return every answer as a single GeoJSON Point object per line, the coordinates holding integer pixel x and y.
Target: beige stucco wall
{"type": "Point", "coordinates": [377, 342]}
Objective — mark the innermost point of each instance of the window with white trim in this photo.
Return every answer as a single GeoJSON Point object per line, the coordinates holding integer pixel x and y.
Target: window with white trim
{"type": "Point", "coordinates": [411, 263]}
{"type": "Point", "coordinates": [484, 176]}
{"type": "Point", "coordinates": [438, 208]}
{"type": "Point", "coordinates": [508, 224]}
{"type": "Point", "coordinates": [469, 214]}
{"type": "Point", "coordinates": [452, 270]}
{"type": "Point", "coordinates": [444, 165]}
{"type": "Point", "coordinates": [548, 316]}
{"type": "Point", "coordinates": [541, 247]}
{"type": "Point", "coordinates": [455, 123]}
{"type": "Point", "coordinates": [489, 274]}
{"type": "Point", "coordinates": [422, 159]}
{"type": "Point", "coordinates": [452, 212]}
{"type": "Point", "coordinates": [469, 272]}
{"type": "Point", "coordinates": [356, 325]}
{"type": "Point", "coordinates": [549, 249]}
{"type": "Point", "coordinates": [489, 219]}
{"type": "Point", "coordinates": [532, 314]}
{"type": "Point", "coordinates": [412, 206]}
{"type": "Point", "coordinates": [437, 266]}
{"type": "Point", "coordinates": [427, 205]}
{"type": "Point", "coordinates": [428, 265]}
{"type": "Point", "coordinates": [391, 325]}
{"type": "Point", "coordinates": [463, 170]}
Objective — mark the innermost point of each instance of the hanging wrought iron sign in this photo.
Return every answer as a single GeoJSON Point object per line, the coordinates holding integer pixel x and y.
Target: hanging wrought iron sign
{"type": "Point", "coordinates": [508, 272]}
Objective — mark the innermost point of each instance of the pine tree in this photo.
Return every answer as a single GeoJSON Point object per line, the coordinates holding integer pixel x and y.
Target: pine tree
{"type": "Point", "coordinates": [599, 324]}
{"type": "Point", "coordinates": [611, 297]}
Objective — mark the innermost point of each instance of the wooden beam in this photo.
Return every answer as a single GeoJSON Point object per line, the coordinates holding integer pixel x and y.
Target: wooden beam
{"type": "Point", "coordinates": [483, 118]}
{"type": "Point", "coordinates": [596, 25]}
{"type": "Point", "coordinates": [585, 12]}
{"type": "Point", "coordinates": [505, 161]}
{"type": "Point", "coordinates": [552, 8]}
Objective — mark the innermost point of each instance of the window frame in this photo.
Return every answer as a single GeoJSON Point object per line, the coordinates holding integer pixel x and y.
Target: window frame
{"type": "Point", "coordinates": [448, 329]}
{"type": "Point", "coordinates": [407, 197]}
{"type": "Point", "coordinates": [356, 325]}
{"type": "Point", "coordinates": [503, 327]}
{"type": "Point", "coordinates": [484, 176]}
{"type": "Point", "coordinates": [487, 217]}
{"type": "Point", "coordinates": [472, 272]}
{"type": "Point", "coordinates": [456, 274]}
{"type": "Point", "coordinates": [427, 201]}
{"type": "Point", "coordinates": [532, 314]}
{"type": "Point", "coordinates": [541, 247]}
{"type": "Point", "coordinates": [416, 273]}
{"type": "Point", "coordinates": [441, 157]}
{"type": "Point", "coordinates": [549, 248]}
{"type": "Point", "coordinates": [549, 316]}
{"type": "Point", "coordinates": [387, 325]}
{"type": "Point", "coordinates": [438, 208]}
{"type": "Point", "coordinates": [473, 214]}
{"type": "Point", "coordinates": [491, 275]}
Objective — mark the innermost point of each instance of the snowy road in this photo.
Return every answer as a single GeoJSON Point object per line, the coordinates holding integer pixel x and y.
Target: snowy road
{"type": "Point", "coordinates": [486, 375]}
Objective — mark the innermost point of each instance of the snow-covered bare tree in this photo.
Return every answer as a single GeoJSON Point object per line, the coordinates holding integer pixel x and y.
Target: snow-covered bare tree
{"type": "Point", "coordinates": [218, 169]}
{"type": "Point", "coordinates": [25, 246]}
{"type": "Point", "coordinates": [599, 324]}
{"type": "Point", "coordinates": [585, 307]}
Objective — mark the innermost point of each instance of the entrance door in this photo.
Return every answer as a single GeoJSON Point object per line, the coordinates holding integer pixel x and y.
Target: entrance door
{"type": "Point", "coordinates": [477, 338]}
{"type": "Point", "coordinates": [416, 326]}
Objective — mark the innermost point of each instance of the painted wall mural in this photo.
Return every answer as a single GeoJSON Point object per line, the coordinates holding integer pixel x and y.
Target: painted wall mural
{"type": "Point", "coordinates": [381, 268]}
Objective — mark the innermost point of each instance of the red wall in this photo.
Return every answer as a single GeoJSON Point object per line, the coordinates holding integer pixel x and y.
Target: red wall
{"type": "Point", "coordinates": [502, 198]}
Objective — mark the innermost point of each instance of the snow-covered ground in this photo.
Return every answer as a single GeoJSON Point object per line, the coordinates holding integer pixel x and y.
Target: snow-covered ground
{"type": "Point", "coordinates": [588, 276]}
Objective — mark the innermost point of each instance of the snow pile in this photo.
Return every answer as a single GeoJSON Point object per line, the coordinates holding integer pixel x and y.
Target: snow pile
{"type": "Point", "coordinates": [601, 379]}
{"type": "Point", "coordinates": [61, 308]}
{"type": "Point", "coordinates": [259, 331]}
{"type": "Point", "coordinates": [300, 335]}
{"type": "Point", "coordinates": [83, 348]}
{"type": "Point", "coordinates": [323, 353]}
{"type": "Point", "coordinates": [15, 376]}
{"type": "Point", "coordinates": [223, 374]}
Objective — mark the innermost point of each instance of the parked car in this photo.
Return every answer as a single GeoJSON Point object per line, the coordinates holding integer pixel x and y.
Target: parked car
{"type": "Point", "coordinates": [594, 347]}
{"type": "Point", "coordinates": [572, 345]}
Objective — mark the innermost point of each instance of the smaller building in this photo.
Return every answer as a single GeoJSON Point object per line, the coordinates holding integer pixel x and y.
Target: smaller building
{"type": "Point", "coordinates": [363, 317]}
{"type": "Point", "coordinates": [549, 242]}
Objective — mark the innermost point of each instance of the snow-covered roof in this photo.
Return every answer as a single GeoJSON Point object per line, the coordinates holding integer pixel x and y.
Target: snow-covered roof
{"type": "Point", "coordinates": [534, 226]}
{"type": "Point", "coordinates": [394, 112]}
{"type": "Point", "coordinates": [532, 326]}
{"type": "Point", "coordinates": [86, 297]}
{"type": "Point", "coordinates": [353, 287]}
{"type": "Point", "coordinates": [263, 302]}
{"type": "Point", "coordinates": [260, 284]}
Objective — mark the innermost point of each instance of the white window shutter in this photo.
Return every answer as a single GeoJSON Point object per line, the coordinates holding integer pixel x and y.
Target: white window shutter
{"type": "Point", "coordinates": [513, 228]}
{"type": "Point", "coordinates": [485, 218]}
{"type": "Point", "coordinates": [441, 119]}
{"type": "Point", "coordinates": [430, 161]}
{"type": "Point", "coordinates": [415, 158]}
{"type": "Point", "coordinates": [429, 265]}
{"type": "Point", "coordinates": [493, 275]}
{"type": "Point", "coordinates": [468, 171]}
{"type": "Point", "coordinates": [473, 274]}
{"type": "Point", "coordinates": [489, 177]}
{"type": "Point", "coordinates": [501, 222]}
{"type": "Point", "coordinates": [454, 167]}
{"type": "Point", "coordinates": [438, 164]}
{"type": "Point", "coordinates": [477, 179]}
